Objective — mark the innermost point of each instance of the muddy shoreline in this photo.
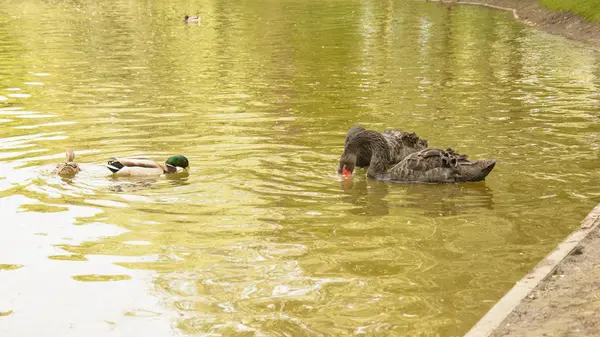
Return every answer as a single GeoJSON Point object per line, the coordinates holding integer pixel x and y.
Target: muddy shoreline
{"type": "Point", "coordinates": [532, 12]}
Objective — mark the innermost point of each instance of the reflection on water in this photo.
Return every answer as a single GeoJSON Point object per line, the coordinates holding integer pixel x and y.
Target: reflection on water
{"type": "Point", "coordinates": [371, 197]}
{"type": "Point", "coordinates": [262, 237]}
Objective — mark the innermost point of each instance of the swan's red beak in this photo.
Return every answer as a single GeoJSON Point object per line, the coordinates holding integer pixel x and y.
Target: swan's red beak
{"type": "Point", "coordinates": [346, 172]}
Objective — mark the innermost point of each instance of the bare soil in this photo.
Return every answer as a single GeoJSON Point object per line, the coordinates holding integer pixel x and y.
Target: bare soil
{"type": "Point", "coordinates": [567, 24]}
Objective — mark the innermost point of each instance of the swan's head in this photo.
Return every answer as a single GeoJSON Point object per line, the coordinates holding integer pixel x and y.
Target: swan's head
{"type": "Point", "coordinates": [347, 163]}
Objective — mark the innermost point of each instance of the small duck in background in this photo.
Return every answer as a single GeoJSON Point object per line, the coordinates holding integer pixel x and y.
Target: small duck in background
{"type": "Point", "coordinates": [135, 167]}
{"type": "Point", "coordinates": [69, 168]}
{"type": "Point", "coordinates": [191, 19]}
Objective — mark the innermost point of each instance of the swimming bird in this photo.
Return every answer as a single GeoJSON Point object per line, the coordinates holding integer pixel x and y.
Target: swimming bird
{"type": "Point", "coordinates": [191, 19]}
{"type": "Point", "coordinates": [400, 145]}
{"type": "Point", "coordinates": [130, 167]}
{"type": "Point", "coordinates": [69, 168]}
{"type": "Point", "coordinates": [430, 165]}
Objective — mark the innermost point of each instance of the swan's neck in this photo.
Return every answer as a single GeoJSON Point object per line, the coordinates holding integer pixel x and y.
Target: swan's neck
{"type": "Point", "coordinates": [378, 169]}
{"type": "Point", "coordinates": [380, 152]}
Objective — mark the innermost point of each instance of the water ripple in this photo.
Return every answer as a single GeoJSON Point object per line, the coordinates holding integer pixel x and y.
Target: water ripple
{"type": "Point", "coordinates": [263, 237]}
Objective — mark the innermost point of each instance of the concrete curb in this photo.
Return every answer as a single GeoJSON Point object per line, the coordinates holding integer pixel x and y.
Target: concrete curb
{"type": "Point", "coordinates": [492, 320]}
{"type": "Point", "coordinates": [513, 10]}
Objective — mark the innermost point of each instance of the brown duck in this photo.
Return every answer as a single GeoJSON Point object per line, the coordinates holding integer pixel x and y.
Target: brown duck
{"type": "Point", "coordinates": [425, 166]}
{"type": "Point", "coordinates": [69, 168]}
{"type": "Point", "coordinates": [400, 144]}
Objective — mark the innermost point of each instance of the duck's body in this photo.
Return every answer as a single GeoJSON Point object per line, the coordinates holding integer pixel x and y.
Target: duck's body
{"type": "Point", "coordinates": [69, 168]}
{"type": "Point", "coordinates": [425, 166]}
{"type": "Point", "coordinates": [133, 167]}
{"type": "Point", "coordinates": [400, 145]}
{"type": "Point", "coordinates": [191, 19]}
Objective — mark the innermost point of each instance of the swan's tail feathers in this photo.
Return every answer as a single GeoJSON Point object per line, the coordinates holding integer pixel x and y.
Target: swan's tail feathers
{"type": "Point", "coordinates": [476, 170]}
{"type": "Point", "coordinates": [488, 167]}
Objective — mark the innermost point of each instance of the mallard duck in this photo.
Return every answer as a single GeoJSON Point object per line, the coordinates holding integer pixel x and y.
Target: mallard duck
{"type": "Point", "coordinates": [69, 168]}
{"type": "Point", "coordinates": [191, 19]}
{"type": "Point", "coordinates": [400, 145]}
{"type": "Point", "coordinates": [430, 165]}
{"type": "Point", "coordinates": [128, 167]}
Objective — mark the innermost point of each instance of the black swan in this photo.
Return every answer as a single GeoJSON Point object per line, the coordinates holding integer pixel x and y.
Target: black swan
{"type": "Point", "coordinates": [425, 166]}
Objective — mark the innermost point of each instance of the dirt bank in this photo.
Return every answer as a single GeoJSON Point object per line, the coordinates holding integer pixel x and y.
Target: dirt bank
{"type": "Point", "coordinates": [566, 24]}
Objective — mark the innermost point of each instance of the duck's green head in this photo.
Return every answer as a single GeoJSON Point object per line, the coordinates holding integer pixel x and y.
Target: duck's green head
{"type": "Point", "coordinates": [178, 161]}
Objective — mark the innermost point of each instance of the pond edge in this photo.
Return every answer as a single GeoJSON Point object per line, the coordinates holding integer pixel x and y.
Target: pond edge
{"type": "Point", "coordinates": [511, 300]}
{"type": "Point", "coordinates": [532, 13]}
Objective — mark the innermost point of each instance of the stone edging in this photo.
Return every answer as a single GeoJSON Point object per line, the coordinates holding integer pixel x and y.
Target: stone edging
{"type": "Point", "coordinates": [498, 313]}
{"type": "Point", "coordinates": [513, 10]}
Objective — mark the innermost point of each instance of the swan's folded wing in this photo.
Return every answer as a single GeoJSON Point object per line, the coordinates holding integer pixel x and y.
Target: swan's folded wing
{"type": "Point", "coordinates": [406, 139]}
{"type": "Point", "coordinates": [403, 143]}
{"type": "Point", "coordinates": [426, 166]}
{"type": "Point", "coordinates": [424, 160]}
{"type": "Point", "coordinates": [393, 133]}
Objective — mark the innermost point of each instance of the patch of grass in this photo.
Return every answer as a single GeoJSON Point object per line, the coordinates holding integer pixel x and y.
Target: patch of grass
{"type": "Point", "coordinates": [589, 9]}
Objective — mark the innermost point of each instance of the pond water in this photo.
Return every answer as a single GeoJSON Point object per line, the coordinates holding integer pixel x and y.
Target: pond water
{"type": "Point", "coordinates": [263, 238]}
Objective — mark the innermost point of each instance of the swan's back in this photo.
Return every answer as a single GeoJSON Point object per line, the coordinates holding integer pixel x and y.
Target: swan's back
{"type": "Point", "coordinates": [440, 166]}
{"type": "Point", "coordinates": [402, 144]}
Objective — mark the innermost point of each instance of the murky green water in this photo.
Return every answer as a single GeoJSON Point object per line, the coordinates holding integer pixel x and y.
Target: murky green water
{"type": "Point", "coordinates": [263, 238]}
